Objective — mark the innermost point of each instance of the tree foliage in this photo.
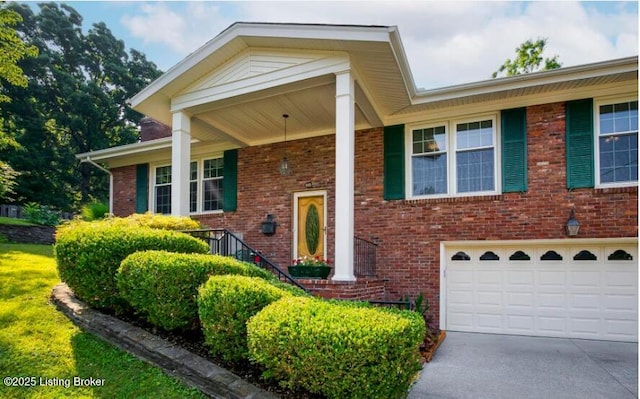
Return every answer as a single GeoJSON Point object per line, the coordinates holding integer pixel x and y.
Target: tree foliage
{"type": "Point", "coordinates": [12, 50]}
{"type": "Point", "coordinates": [528, 59]}
{"type": "Point", "coordinates": [75, 102]}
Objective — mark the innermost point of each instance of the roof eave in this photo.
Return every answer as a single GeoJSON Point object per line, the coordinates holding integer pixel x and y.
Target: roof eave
{"type": "Point", "coordinates": [586, 71]}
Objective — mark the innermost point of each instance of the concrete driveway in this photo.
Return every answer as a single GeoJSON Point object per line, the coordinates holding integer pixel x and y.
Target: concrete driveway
{"type": "Point", "coordinates": [491, 366]}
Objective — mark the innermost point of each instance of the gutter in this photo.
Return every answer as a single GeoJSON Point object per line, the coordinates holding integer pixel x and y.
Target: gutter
{"type": "Point", "coordinates": [102, 168]}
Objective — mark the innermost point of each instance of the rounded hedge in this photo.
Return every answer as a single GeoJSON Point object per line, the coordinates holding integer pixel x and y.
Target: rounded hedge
{"type": "Point", "coordinates": [225, 303]}
{"type": "Point", "coordinates": [335, 350]}
{"type": "Point", "coordinates": [88, 255]}
{"type": "Point", "coordinates": [162, 286]}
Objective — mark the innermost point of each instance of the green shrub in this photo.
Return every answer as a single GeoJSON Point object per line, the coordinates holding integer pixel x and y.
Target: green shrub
{"type": "Point", "coordinates": [94, 211]}
{"type": "Point", "coordinates": [164, 222]}
{"type": "Point", "coordinates": [225, 303]}
{"type": "Point", "coordinates": [41, 214]}
{"type": "Point", "coordinates": [162, 287]}
{"type": "Point", "coordinates": [336, 350]}
{"type": "Point", "coordinates": [88, 255]}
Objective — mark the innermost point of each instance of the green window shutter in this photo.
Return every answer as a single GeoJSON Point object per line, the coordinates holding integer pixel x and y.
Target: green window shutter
{"type": "Point", "coordinates": [142, 188]}
{"type": "Point", "coordinates": [579, 139]}
{"type": "Point", "coordinates": [393, 162]}
{"type": "Point", "coordinates": [514, 150]}
{"type": "Point", "coordinates": [230, 181]}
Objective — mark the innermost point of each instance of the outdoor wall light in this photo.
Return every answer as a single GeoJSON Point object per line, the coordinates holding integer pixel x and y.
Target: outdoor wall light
{"type": "Point", "coordinates": [268, 226]}
{"type": "Point", "coordinates": [573, 226]}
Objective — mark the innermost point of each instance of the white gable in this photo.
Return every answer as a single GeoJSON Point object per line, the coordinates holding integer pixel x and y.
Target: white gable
{"type": "Point", "coordinates": [253, 62]}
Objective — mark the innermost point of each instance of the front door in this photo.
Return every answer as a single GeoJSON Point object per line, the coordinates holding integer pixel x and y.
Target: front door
{"type": "Point", "coordinates": [310, 238]}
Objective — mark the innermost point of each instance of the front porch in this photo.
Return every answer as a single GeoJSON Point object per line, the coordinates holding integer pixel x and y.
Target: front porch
{"type": "Point", "coordinates": [366, 287]}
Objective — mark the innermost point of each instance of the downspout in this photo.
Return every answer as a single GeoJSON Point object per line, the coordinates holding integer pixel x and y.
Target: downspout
{"type": "Point", "coordinates": [102, 168]}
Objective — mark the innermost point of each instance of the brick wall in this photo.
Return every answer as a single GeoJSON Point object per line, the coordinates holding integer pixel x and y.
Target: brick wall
{"type": "Point", "coordinates": [409, 232]}
{"type": "Point", "coordinates": [124, 190]}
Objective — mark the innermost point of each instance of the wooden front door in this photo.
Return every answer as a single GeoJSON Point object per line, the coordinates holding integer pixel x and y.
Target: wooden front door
{"type": "Point", "coordinates": [310, 219]}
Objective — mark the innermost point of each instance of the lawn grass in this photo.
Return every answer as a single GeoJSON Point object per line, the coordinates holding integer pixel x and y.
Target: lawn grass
{"type": "Point", "coordinates": [38, 341]}
{"type": "Point", "coordinates": [15, 222]}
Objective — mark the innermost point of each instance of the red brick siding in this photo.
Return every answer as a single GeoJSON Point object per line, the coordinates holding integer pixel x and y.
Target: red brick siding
{"type": "Point", "coordinates": [124, 190]}
{"type": "Point", "coordinates": [409, 232]}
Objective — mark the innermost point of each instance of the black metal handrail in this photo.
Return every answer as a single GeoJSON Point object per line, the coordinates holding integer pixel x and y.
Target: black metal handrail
{"type": "Point", "coordinates": [364, 257]}
{"type": "Point", "coordinates": [225, 243]}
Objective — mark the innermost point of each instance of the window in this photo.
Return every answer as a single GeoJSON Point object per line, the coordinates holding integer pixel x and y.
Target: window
{"type": "Point", "coordinates": [162, 189]}
{"type": "Point", "coordinates": [193, 187]}
{"type": "Point", "coordinates": [461, 163]}
{"type": "Point", "coordinates": [205, 187]}
{"type": "Point", "coordinates": [617, 143]}
{"type": "Point", "coordinates": [212, 183]}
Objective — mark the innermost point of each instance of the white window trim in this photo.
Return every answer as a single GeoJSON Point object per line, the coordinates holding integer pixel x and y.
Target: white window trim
{"type": "Point", "coordinates": [597, 103]}
{"type": "Point", "coordinates": [200, 164]}
{"type": "Point", "coordinates": [152, 184]}
{"type": "Point", "coordinates": [450, 126]}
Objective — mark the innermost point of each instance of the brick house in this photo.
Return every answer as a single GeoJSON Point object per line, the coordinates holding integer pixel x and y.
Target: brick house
{"type": "Point", "coordinates": [465, 190]}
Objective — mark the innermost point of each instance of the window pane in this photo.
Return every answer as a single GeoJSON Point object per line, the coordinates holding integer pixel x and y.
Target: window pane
{"type": "Point", "coordinates": [429, 174]}
{"type": "Point", "coordinates": [475, 171]}
{"type": "Point", "coordinates": [163, 199]}
{"type": "Point", "coordinates": [194, 171]}
{"type": "Point", "coordinates": [212, 195]}
{"type": "Point", "coordinates": [193, 196]}
{"type": "Point", "coordinates": [474, 134]}
{"type": "Point", "coordinates": [619, 118]}
{"type": "Point", "coordinates": [428, 140]}
{"type": "Point", "coordinates": [163, 175]}
{"type": "Point", "coordinates": [212, 168]}
{"type": "Point", "coordinates": [619, 158]}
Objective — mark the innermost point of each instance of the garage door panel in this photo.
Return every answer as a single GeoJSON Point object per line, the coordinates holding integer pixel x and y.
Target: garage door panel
{"type": "Point", "coordinates": [619, 302]}
{"type": "Point", "coordinates": [552, 325]}
{"type": "Point", "coordinates": [520, 299]}
{"type": "Point", "coordinates": [584, 301]}
{"type": "Point", "coordinates": [551, 294]}
{"type": "Point", "coordinates": [552, 278]}
{"type": "Point", "coordinates": [552, 301]}
{"type": "Point", "coordinates": [489, 322]}
{"type": "Point", "coordinates": [520, 278]}
{"type": "Point", "coordinates": [489, 298]}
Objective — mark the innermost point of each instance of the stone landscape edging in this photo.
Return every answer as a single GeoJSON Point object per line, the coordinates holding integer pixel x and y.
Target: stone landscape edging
{"type": "Point", "coordinates": [192, 369]}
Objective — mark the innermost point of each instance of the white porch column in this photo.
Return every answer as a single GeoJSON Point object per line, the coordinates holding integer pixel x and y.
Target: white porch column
{"type": "Point", "coordinates": [345, 154]}
{"type": "Point", "coordinates": [180, 163]}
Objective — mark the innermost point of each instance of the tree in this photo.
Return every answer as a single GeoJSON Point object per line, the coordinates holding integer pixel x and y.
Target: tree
{"type": "Point", "coordinates": [528, 59]}
{"type": "Point", "coordinates": [75, 102]}
{"type": "Point", "coordinates": [12, 50]}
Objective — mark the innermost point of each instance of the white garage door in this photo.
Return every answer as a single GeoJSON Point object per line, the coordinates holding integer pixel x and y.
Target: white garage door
{"type": "Point", "coordinates": [579, 291]}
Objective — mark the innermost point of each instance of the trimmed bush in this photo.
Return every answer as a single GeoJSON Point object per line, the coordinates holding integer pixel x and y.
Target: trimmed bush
{"type": "Point", "coordinates": [88, 255]}
{"type": "Point", "coordinates": [335, 350]}
{"type": "Point", "coordinates": [162, 286]}
{"type": "Point", "coordinates": [163, 222]}
{"type": "Point", "coordinates": [225, 303]}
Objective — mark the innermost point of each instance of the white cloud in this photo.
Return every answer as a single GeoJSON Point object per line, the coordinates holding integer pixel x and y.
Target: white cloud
{"type": "Point", "coordinates": [445, 42]}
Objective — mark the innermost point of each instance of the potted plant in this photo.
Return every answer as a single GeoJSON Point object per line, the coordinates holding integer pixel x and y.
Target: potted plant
{"type": "Point", "coordinates": [307, 267]}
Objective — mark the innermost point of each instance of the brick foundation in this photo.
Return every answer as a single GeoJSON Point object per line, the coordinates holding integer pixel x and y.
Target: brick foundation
{"type": "Point", "coordinates": [355, 290]}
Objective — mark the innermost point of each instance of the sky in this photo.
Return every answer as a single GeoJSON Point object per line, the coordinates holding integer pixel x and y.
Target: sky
{"type": "Point", "coordinates": [446, 42]}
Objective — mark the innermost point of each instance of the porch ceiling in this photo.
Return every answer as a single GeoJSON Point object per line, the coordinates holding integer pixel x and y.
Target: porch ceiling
{"type": "Point", "coordinates": [256, 119]}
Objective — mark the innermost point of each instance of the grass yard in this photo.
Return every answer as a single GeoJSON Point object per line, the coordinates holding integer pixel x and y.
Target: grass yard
{"type": "Point", "coordinates": [38, 341]}
{"type": "Point", "coordinates": [14, 221]}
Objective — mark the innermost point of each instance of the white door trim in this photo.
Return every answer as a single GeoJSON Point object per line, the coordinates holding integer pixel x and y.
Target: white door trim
{"type": "Point", "coordinates": [294, 230]}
